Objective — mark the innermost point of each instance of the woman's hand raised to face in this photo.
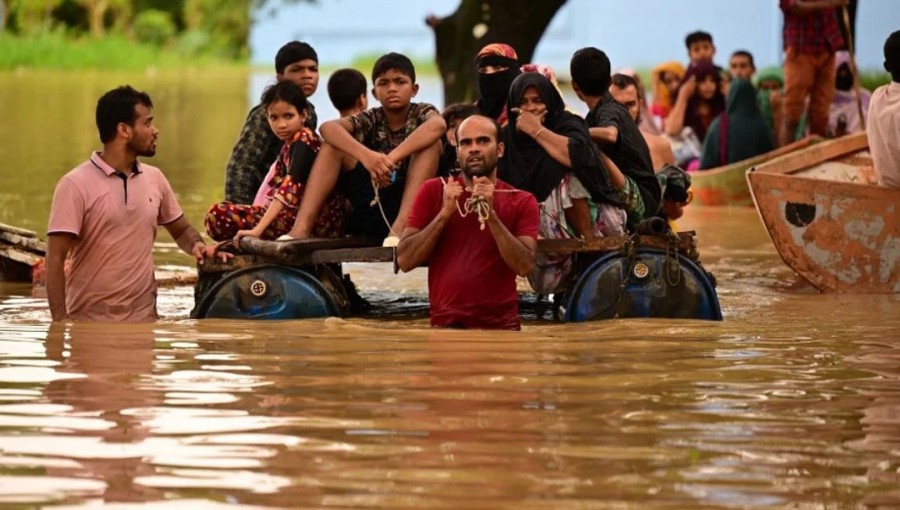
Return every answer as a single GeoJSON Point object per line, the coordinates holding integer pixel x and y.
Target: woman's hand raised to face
{"type": "Point", "coordinates": [528, 122]}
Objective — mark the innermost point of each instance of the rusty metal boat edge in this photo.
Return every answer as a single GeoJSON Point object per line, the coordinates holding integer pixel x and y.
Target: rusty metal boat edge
{"type": "Point", "coordinates": [828, 219]}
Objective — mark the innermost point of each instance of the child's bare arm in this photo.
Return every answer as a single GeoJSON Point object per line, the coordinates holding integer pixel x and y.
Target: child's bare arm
{"type": "Point", "coordinates": [421, 138]}
{"type": "Point", "coordinates": [272, 212]}
{"type": "Point", "coordinates": [338, 134]}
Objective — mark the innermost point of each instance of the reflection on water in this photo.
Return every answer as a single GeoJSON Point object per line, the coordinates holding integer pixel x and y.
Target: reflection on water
{"type": "Point", "coordinates": [792, 401]}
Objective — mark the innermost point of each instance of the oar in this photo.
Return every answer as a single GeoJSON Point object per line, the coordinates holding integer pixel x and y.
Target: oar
{"type": "Point", "coordinates": [850, 49]}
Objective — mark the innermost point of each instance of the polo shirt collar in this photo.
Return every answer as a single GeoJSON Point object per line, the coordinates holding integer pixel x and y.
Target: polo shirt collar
{"type": "Point", "coordinates": [108, 170]}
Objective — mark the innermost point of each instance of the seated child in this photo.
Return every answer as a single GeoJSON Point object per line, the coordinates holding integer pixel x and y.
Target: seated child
{"type": "Point", "coordinates": [453, 116]}
{"type": "Point", "coordinates": [676, 184]}
{"type": "Point", "coordinates": [396, 147]}
{"type": "Point", "coordinates": [275, 207]}
{"type": "Point", "coordinates": [257, 146]}
{"type": "Point", "coordinates": [347, 91]}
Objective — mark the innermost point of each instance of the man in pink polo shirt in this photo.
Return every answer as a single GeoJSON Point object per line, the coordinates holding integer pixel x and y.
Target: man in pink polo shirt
{"type": "Point", "coordinates": [105, 213]}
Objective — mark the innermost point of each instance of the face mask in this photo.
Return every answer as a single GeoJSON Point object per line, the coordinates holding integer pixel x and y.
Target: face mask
{"type": "Point", "coordinates": [844, 79]}
{"type": "Point", "coordinates": [494, 89]}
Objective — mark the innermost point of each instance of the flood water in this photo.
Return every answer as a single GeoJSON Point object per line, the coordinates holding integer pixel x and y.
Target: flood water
{"type": "Point", "coordinates": [793, 401]}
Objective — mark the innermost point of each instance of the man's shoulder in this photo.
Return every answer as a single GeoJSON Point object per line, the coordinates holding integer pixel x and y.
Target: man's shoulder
{"type": "Point", "coordinates": [434, 182]}
{"type": "Point", "coordinates": [83, 173]}
{"type": "Point", "coordinates": [422, 107]}
{"type": "Point", "coordinates": [520, 198]}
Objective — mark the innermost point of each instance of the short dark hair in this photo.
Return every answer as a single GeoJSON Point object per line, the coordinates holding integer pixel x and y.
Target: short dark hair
{"type": "Point", "coordinates": [396, 62]}
{"type": "Point", "coordinates": [459, 111]}
{"type": "Point", "coordinates": [892, 55]}
{"type": "Point", "coordinates": [117, 106]}
{"type": "Point", "coordinates": [745, 53]}
{"type": "Point", "coordinates": [698, 36]}
{"type": "Point", "coordinates": [590, 70]}
{"type": "Point", "coordinates": [344, 88]}
{"type": "Point", "coordinates": [287, 91]}
{"type": "Point", "coordinates": [294, 51]}
{"type": "Point", "coordinates": [493, 122]}
{"type": "Point", "coordinates": [623, 81]}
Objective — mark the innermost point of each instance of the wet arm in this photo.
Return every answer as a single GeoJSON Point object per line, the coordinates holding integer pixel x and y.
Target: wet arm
{"type": "Point", "coordinates": [185, 236]}
{"type": "Point", "coordinates": [557, 146]}
{"type": "Point", "coordinates": [338, 134]}
{"type": "Point", "coordinates": [579, 216]}
{"type": "Point", "coordinates": [616, 177]}
{"type": "Point", "coordinates": [421, 138]}
{"type": "Point", "coordinates": [58, 246]}
{"type": "Point", "coordinates": [517, 252]}
{"type": "Point", "coordinates": [272, 212]}
{"type": "Point", "coordinates": [416, 245]}
{"type": "Point", "coordinates": [605, 135]}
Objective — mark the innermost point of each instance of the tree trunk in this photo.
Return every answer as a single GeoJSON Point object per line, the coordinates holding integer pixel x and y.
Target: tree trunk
{"type": "Point", "coordinates": [96, 16]}
{"type": "Point", "coordinates": [4, 14]}
{"type": "Point", "coordinates": [519, 24]}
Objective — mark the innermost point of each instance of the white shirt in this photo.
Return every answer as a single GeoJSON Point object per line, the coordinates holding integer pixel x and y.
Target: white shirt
{"type": "Point", "coordinates": [883, 130]}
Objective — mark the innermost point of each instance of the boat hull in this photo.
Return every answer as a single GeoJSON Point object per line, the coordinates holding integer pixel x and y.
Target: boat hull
{"type": "Point", "coordinates": [840, 236]}
{"type": "Point", "coordinates": [727, 186]}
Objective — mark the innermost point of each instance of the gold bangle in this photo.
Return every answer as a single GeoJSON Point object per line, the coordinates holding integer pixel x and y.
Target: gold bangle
{"type": "Point", "coordinates": [536, 135]}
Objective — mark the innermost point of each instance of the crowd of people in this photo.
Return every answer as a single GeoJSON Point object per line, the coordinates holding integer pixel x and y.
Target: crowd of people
{"type": "Point", "coordinates": [469, 190]}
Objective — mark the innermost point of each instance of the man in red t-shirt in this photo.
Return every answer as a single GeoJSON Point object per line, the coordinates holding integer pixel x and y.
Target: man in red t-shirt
{"type": "Point", "coordinates": [472, 267]}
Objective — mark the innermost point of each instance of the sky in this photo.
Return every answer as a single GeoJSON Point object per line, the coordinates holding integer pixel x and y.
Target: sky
{"type": "Point", "coordinates": [634, 33]}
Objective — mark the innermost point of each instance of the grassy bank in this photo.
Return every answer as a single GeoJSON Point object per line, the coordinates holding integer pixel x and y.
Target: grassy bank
{"type": "Point", "coordinates": [55, 50]}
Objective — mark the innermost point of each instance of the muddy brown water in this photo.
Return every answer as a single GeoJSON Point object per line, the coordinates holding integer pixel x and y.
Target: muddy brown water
{"type": "Point", "coordinates": [793, 401]}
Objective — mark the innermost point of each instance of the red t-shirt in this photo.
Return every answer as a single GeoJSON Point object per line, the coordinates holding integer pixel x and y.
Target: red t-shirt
{"type": "Point", "coordinates": [469, 284]}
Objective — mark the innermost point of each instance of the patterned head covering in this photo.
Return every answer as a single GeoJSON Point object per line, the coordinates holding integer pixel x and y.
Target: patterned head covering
{"type": "Point", "coordinates": [663, 100]}
{"type": "Point", "coordinates": [496, 50]}
{"type": "Point", "coordinates": [493, 88]}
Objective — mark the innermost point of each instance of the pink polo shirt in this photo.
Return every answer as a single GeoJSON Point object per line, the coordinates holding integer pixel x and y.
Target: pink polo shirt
{"type": "Point", "coordinates": [114, 219]}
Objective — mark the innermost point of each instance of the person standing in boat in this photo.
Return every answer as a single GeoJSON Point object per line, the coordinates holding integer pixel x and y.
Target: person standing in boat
{"type": "Point", "coordinates": [811, 38]}
{"type": "Point", "coordinates": [105, 212]}
{"type": "Point", "coordinates": [258, 146]}
{"type": "Point", "coordinates": [473, 231]}
{"type": "Point", "coordinates": [883, 121]}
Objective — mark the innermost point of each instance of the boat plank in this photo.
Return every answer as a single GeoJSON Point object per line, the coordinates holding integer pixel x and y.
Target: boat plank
{"type": "Point", "coordinates": [257, 251]}
{"type": "Point", "coordinates": [816, 154]}
{"type": "Point", "coordinates": [17, 231]}
{"type": "Point", "coordinates": [32, 244]}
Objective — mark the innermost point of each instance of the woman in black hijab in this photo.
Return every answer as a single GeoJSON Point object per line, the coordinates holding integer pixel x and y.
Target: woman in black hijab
{"type": "Point", "coordinates": [549, 153]}
{"type": "Point", "coordinates": [497, 66]}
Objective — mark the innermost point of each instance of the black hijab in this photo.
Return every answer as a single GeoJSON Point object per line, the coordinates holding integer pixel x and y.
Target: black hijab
{"type": "Point", "coordinates": [527, 166]}
{"type": "Point", "coordinates": [493, 88]}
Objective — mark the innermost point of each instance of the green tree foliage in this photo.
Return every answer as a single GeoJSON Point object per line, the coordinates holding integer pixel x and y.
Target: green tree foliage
{"type": "Point", "coordinates": [32, 16]}
{"type": "Point", "coordinates": [154, 26]}
{"type": "Point", "coordinates": [218, 28]}
{"type": "Point", "coordinates": [226, 25]}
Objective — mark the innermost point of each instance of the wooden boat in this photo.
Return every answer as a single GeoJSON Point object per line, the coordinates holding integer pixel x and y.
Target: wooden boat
{"type": "Point", "coordinates": [727, 186]}
{"type": "Point", "coordinates": [829, 220]}
{"type": "Point", "coordinates": [655, 275]}
{"type": "Point", "coordinates": [20, 251]}
{"type": "Point", "coordinates": [22, 255]}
